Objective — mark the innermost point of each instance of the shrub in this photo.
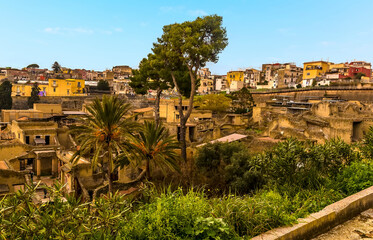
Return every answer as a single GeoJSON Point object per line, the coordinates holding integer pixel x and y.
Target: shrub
{"type": "Point", "coordinates": [290, 163]}
{"type": "Point", "coordinates": [229, 165]}
{"type": "Point", "coordinates": [209, 157]}
{"type": "Point", "coordinates": [243, 174]}
{"type": "Point", "coordinates": [306, 165]}
{"type": "Point", "coordinates": [173, 215]}
{"type": "Point", "coordinates": [250, 216]}
{"type": "Point", "coordinates": [355, 178]}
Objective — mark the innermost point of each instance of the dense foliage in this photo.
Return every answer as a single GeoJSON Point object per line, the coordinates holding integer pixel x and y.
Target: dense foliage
{"type": "Point", "coordinates": [156, 146]}
{"type": "Point", "coordinates": [213, 102]}
{"type": "Point", "coordinates": [243, 101]}
{"type": "Point", "coordinates": [103, 85]}
{"type": "Point", "coordinates": [285, 183]}
{"type": "Point", "coordinates": [105, 135]}
{"type": "Point", "coordinates": [292, 162]}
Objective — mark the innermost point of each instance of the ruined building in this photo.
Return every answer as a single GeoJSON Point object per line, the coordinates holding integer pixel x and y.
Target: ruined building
{"type": "Point", "coordinates": [316, 120]}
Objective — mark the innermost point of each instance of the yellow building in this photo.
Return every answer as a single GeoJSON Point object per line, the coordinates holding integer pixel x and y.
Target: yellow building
{"type": "Point", "coordinates": [35, 133]}
{"type": "Point", "coordinates": [40, 110]}
{"type": "Point", "coordinates": [169, 110]}
{"type": "Point", "coordinates": [52, 87]}
{"type": "Point", "coordinates": [312, 70]}
{"type": "Point", "coordinates": [65, 87]}
{"type": "Point", "coordinates": [206, 86]}
{"type": "Point", "coordinates": [235, 76]}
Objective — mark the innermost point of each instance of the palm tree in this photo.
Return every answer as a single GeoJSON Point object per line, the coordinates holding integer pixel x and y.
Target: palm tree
{"type": "Point", "coordinates": [105, 134]}
{"type": "Point", "coordinates": [157, 147]}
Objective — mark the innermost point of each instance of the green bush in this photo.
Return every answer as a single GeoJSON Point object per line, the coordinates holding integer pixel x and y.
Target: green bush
{"type": "Point", "coordinates": [243, 173]}
{"type": "Point", "coordinates": [355, 178]}
{"type": "Point", "coordinates": [289, 163]}
{"type": "Point", "coordinates": [174, 215]}
{"type": "Point", "coordinates": [229, 165]}
{"type": "Point", "coordinates": [268, 209]}
{"type": "Point", "coordinates": [304, 164]}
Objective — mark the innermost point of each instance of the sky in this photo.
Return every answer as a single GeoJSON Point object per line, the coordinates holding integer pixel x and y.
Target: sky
{"type": "Point", "coordinates": [101, 34]}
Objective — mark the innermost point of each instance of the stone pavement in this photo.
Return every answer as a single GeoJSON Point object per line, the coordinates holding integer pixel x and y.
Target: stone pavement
{"type": "Point", "coordinates": [360, 227]}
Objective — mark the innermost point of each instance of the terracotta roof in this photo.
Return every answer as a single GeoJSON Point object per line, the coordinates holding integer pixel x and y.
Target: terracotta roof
{"type": "Point", "coordinates": [230, 138]}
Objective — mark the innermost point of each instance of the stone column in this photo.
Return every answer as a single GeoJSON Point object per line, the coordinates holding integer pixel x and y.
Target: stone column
{"type": "Point", "coordinates": [38, 167]}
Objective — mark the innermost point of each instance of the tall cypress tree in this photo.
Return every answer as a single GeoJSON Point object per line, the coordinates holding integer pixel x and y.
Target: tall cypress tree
{"type": "Point", "coordinates": [34, 98]}
{"type": "Point", "coordinates": [6, 95]}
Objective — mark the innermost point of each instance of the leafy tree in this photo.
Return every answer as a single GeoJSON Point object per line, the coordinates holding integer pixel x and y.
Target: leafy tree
{"type": "Point", "coordinates": [103, 85]}
{"type": "Point", "coordinates": [6, 95]}
{"type": "Point", "coordinates": [157, 147]}
{"type": "Point", "coordinates": [34, 65]}
{"type": "Point", "coordinates": [56, 67]}
{"type": "Point", "coordinates": [151, 75]}
{"type": "Point", "coordinates": [34, 98]}
{"type": "Point", "coordinates": [243, 101]}
{"type": "Point", "coordinates": [359, 75]}
{"type": "Point", "coordinates": [213, 102]}
{"type": "Point", "coordinates": [191, 44]}
{"type": "Point", "coordinates": [105, 133]}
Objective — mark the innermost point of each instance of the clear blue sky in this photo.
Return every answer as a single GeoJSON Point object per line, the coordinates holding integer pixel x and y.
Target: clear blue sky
{"type": "Point", "coordinates": [100, 34]}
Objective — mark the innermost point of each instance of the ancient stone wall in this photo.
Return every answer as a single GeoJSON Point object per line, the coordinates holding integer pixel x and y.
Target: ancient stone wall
{"type": "Point", "coordinates": [363, 95]}
{"type": "Point", "coordinates": [75, 103]}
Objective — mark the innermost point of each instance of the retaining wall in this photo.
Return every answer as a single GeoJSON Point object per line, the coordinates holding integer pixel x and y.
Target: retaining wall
{"type": "Point", "coordinates": [363, 95]}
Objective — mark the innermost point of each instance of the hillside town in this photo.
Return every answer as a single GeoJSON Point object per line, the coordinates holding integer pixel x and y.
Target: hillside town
{"type": "Point", "coordinates": [75, 82]}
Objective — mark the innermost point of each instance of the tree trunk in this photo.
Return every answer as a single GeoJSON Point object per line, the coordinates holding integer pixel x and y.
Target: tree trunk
{"type": "Point", "coordinates": [110, 170]}
{"type": "Point", "coordinates": [156, 110]}
{"type": "Point", "coordinates": [110, 180]}
{"type": "Point", "coordinates": [182, 132]}
{"type": "Point", "coordinates": [182, 139]}
{"type": "Point", "coordinates": [147, 168]}
{"type": "Point", "coordinates": [184, 117]}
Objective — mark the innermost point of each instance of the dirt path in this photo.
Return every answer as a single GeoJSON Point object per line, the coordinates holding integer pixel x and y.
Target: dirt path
{"type": "Point", "coordinates": [360, 227]}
